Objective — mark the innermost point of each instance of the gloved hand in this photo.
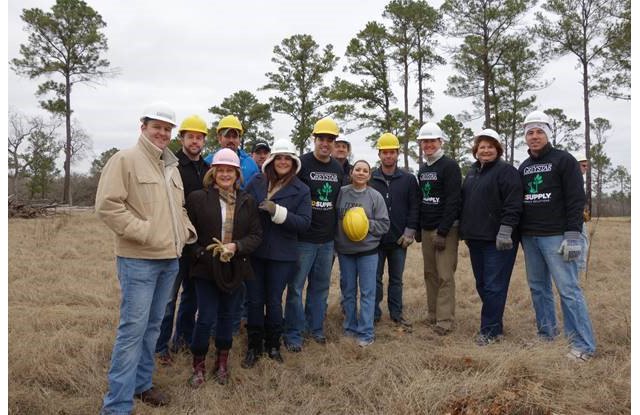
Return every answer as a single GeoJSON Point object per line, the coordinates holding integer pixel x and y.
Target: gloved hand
{"type": "Point", "coordinates": [439, 242]}
{"type": "Point", "coordinates": [571, 246]}
{"type": "Point", "coordinates": [268, 206]}
{"type": "Point", "coordinates": [407, 238]}
{"type": "Point", "coordinates": [503, 238]}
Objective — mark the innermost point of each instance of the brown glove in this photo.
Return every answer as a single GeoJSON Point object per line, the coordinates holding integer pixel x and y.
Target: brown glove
{"type": "Point", "coordinates": [586, 215]}
{"type": "Point", "coordinates": [269, 206]}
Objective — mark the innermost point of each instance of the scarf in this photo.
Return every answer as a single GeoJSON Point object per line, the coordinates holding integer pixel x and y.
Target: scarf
{"type": "Point", "coordinates": [230, 199]}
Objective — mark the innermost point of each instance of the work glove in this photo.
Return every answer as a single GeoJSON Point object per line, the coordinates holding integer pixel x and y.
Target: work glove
{"type": "Point", "coordinates": [503, 238]}
{"type": "Point", "coordinates": [571, 246]}
{"type": "Point", "coordinates": [268, 206]}
{"type": "Point", "coordinates": [407, 238]}
{"type": "Point", "coordinates": [586, 215]}
{"type": "Point", "coordinates": [218, 248]}
{"type": "Point", "coordinates": [439, 242]}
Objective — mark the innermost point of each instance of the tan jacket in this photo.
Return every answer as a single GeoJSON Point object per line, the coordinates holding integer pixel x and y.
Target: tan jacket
{"type": "Point", "coordinates": [140, 197]}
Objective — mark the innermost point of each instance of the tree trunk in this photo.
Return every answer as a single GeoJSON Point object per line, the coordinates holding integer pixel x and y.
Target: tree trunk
{"type": "Point", "coordinates": [420, 104]}
{"type": "Point", "coordinates": [67, 146]}
{"type": "Point", "coordinates": [406, 113]}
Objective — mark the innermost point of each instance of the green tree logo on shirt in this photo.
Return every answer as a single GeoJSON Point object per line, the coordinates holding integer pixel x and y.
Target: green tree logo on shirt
{"type": "Point", "coordinates": [324, 192]}
{"type": "Point", "coordinates": [426, 189]}
{"type": "Point", "coordinates": [534, 184]}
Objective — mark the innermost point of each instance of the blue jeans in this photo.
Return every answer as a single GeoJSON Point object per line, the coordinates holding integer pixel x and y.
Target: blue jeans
{"type": "Point", "coordinates": [145, 286]}
{"type": "Point", "coordinates": [186, 312]}
{"type": "Point", "coordinates": [264, 293]}
{"type": "Point", "coordinates": [358, 272]}
{"type": "Point", "coordinates": [314, 261]}
{"type": "Point", "coordinates": [396, 256]}
{"type": "Point", "coordinates": [543, 262]}
{"type": "Point", "coordinates": [492, 271]}
{"type": "Point", "coordinates": [214, 306]}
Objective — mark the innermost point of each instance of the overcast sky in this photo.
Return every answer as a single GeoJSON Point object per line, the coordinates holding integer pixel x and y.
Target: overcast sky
{"type": "Point", "coordinates": [193, 54]}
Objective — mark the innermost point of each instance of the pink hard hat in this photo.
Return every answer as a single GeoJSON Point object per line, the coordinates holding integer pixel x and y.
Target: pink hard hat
{"type": "Point", "coordinates": [227, 157]}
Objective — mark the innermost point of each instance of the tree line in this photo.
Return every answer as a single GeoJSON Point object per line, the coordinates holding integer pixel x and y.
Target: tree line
{"type": "Point", "coordinates": [497, 63]}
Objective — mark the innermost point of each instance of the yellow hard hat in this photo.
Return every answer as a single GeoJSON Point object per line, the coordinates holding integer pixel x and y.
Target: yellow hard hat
{"type": "Point", "coordinates": [388, 141]}
{"type": "Point", "coordinates": [230, 121]}
{"type": "Point", "coordinates": [194, 123]}
{"type": "Point", "coordinates": [355, 224]}
{"type": "Point", "coordinates": [326, 126]}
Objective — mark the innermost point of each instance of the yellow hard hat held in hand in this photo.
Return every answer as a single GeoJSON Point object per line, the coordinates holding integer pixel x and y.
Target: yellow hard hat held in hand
{"type": "Point", "coordinates": [355, 224]}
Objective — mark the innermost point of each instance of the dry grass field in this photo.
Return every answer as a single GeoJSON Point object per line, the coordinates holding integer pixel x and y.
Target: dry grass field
{"type": "Point", "coordinates": [63, 312]}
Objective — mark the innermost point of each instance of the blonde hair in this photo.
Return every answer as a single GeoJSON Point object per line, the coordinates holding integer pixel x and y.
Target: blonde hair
{"type": "Point", "coordinates": [210, 177]}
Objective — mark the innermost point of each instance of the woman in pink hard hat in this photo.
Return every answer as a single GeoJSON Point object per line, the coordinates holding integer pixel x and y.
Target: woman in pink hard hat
{"type": "Point", "coordinates": [228, 226]}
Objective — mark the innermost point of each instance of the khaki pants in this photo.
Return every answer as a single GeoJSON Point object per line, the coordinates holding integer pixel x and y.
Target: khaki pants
{"type": "Point", "coordinates": [439, 270]}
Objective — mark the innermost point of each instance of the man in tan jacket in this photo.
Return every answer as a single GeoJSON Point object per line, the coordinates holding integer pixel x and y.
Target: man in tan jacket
{"type": "Point", "coordinates": [140, 198]}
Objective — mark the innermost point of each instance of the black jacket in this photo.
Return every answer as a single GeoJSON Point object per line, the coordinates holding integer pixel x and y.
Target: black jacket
{"type": "Point", "coordinates": [553, 193]}
{"type": "Point", "coordinates": [203, 208]}
{"type": "Point", "coordinates": [402, 197]}
{"type": "Point", "coordinates": [491, 196]}
{"type": "Point", "coordinates": [191, 172]}
{"type": "Point", "coordinates": [440, 204]}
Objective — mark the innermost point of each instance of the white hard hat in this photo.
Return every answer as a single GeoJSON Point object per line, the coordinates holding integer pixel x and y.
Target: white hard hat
{"type": "Point", "coordinates": [430, 131]}
{"type": "Point", "coordinates": [341, 139]}
{"type": "Point", "coordinates": [487, 132]}
{"type": "Point", "coordinates": [537, 116]}
{"type": "Point", "coordinates": [160, 111]}
{"type": "Point", "coordinates": [579, 156]}
{"type": "Point", "coordinates": [283, 146]}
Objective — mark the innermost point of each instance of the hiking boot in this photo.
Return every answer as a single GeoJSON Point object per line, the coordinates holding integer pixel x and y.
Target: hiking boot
{"type": "Point", "coordinates": [250, 359]}
{"type": "Point", "coordinates": [165, 359]}
{"type": "Point", "coordinates": [403, 323]}
{"type": "Point", "coordinates": [441, 331]}
{"type": "Point", "coordinates": [153, 397]}
{"type": "Point", "coordinates": [320, 339]}
{"type": "Point", "coordinates": [274, 354]}
{"type": "Point", "coordinates": [579, 356]}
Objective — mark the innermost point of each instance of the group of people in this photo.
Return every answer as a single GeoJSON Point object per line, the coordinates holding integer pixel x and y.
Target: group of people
{"type": "Point", "coordinates": [232, 232]}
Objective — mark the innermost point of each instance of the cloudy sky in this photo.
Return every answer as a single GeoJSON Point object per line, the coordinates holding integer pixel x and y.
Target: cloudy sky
{"type": "Point", "coordinates": [193, 54]}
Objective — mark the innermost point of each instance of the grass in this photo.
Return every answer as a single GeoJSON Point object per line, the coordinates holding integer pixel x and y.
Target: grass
{"type": "Point", "coordinates": [63, 313]}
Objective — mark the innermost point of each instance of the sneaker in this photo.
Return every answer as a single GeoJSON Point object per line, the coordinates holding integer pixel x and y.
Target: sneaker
{"type": "Point", "coordinates": [293, 348]}
{"type": "Point", "coordinates": [153, 397]}
{"type": "Point", "coordinates": [165, 359]}
{"type": "Point", "coordinates": [485, 340]}
{"type": "Point", "coordinates": [365, 343]}
{"type": "Point", "coordinates": [578, 356]}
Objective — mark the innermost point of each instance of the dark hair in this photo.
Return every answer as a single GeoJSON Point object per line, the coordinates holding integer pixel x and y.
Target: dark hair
{"type": "Point", "coordinates": [272, 176]}
{"type": "Point", "coordinates": [361, 161]}
{"type": "Point", "coordinates": [496, 144]}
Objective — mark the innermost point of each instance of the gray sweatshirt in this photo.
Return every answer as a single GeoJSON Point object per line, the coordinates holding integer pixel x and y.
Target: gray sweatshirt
{"type": "Point", "coordinates": [373, 204]}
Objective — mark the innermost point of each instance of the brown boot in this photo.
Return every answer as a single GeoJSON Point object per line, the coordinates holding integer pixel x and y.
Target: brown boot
{"type": "Point", "coordinates": [153, 397]}
{"type": "Point", "coordinates": [221, 370]}
{"type": "Point", "coordinates": [197, 379]}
